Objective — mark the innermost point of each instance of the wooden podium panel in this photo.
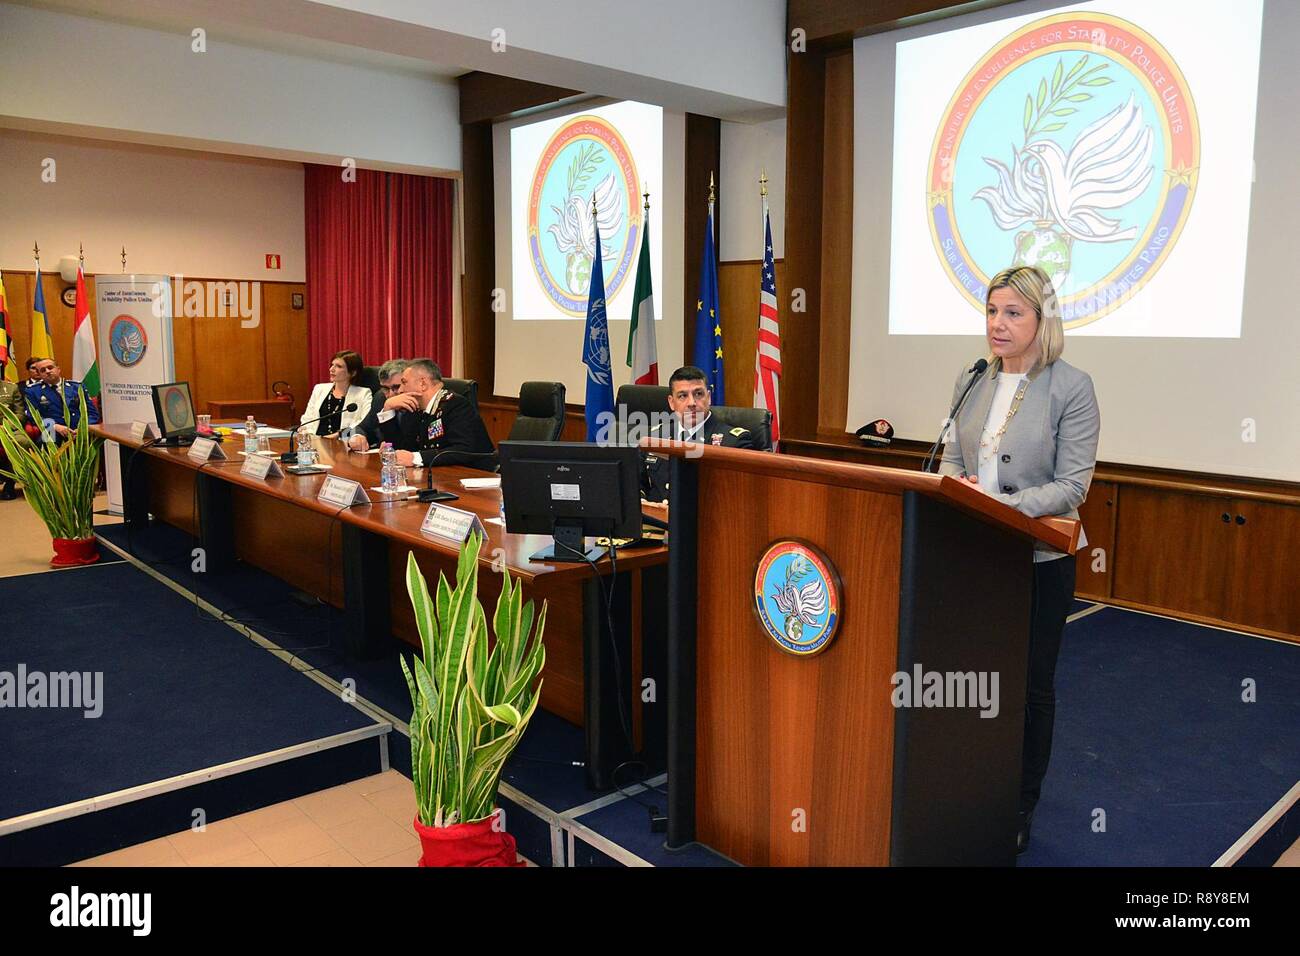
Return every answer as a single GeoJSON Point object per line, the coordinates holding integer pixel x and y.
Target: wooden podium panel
{"type": "Point", "coordinates": [753, 698]}
{"type": "Point", "coordinates": [777, 759]}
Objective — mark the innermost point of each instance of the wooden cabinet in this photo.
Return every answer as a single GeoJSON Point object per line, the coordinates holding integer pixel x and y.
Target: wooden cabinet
{"type": "Point", "coordinates": [1210, 557]}
{"type": "Point", "coordinates": [1098, 516]}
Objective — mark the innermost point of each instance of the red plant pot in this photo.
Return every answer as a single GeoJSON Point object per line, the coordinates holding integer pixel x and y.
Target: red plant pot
{"type": "Point", "coordinates": [467, 844]}
{"type": "Point", "coordinates": [71, 552]}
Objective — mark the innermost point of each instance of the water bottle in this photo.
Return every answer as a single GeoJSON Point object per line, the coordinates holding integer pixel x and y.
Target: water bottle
{"type": "Point", "coordinates": [387, 468]}
{"type": "Point", "coordinates": [250, 436]}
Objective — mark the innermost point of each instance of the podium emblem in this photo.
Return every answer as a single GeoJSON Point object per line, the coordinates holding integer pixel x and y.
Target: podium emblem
{"type": "Point", "coordinates": [797, 597]}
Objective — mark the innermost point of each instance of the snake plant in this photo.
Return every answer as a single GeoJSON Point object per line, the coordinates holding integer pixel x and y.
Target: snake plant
{"type": "Point", "coordinates": [470, 705]}
{"type": "Point", "coordinates": [58, 480]}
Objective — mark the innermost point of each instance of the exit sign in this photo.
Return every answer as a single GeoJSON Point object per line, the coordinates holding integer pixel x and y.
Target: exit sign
{"type": "Point", "coordinates": [272, 260]}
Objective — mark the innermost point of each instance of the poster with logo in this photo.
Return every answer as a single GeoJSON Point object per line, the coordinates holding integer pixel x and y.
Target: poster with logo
{"type": "Point", "coordinates": [135, 335]}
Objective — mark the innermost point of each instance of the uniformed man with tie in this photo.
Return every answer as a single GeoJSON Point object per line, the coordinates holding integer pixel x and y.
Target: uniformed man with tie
{"type": "Point", "coordinates": [431, 425]}
{"type": "Point", "coordinates": [47, 396]}
{"type": "Point", "coordinates": [691, 420]}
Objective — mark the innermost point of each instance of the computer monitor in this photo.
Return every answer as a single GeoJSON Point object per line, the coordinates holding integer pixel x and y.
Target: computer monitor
{"type": "Point", "coordinates": [174, 411]}
{"type": "Point", "coordinates": [570, 490]}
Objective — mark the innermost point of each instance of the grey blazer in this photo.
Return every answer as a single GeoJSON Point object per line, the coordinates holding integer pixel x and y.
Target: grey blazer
{"type": "Point", "coordinates": [1048, 453]}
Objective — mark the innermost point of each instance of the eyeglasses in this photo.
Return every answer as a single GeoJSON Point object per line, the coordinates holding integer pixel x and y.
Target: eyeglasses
{"type": "Point", "coordinates": [391, 388]}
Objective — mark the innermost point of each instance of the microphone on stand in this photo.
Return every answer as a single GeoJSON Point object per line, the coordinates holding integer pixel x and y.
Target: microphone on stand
{"type": "Point", "coordinates": [292, 455]}
{"type": "Point", "coordinates": [429, 494]}
{"type": "Point", "coordinates": [975, 372]}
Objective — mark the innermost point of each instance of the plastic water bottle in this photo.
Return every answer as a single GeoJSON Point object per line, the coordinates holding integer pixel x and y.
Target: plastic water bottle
{"type": "Point", "coordinates": [387, 468]}
{"type": "Point", "coordinates": [250, 436]}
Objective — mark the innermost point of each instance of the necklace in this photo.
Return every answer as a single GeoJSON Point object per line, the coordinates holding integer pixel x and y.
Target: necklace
{"type": "Point", "coordinates": [989, 444]}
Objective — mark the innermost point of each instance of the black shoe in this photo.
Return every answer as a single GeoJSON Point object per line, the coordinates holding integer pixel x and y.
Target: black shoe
{"type": "Point", "coordinates": [1022, 833]}
{"type": "Point", "coordinates": [8, 493]}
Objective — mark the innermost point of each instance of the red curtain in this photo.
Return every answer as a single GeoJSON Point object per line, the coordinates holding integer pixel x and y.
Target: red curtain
{"type": "Point", "coordinates": [378, 266]}
{"type": "Point", "coordinates": [420, 240]}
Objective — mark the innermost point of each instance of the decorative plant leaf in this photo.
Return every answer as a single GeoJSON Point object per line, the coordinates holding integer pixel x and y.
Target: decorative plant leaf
{"type": "Point", "coordinates": [1042, 93]}
{"type": "Point", "coordinates": [1097, 81]}
{"type": "Point", "coordinates": [1079, 97]}
{"type": "Point", "coordinates": [1029, 111]}
{"type": "Point", "coordinates": [1056, 75]}
{"type": "Point", "coordinates": [1077, 66]}
{"type": "Point", "coordinates": [1064, 111]}
{"type": "Point", "coordinates": [1053, 127]}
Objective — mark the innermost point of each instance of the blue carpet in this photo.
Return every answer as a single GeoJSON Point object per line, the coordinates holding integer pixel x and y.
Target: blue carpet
{"type": "Point", "coordinates": [176, 697]}
{"type": "Point", "coordinates": [1151, 730]}
{"type": "Point", "coordinates": [627, 824]}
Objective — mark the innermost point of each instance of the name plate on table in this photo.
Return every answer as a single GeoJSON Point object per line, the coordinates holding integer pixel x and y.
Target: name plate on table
{"type": "Point", "coordinates": [143, 430]}
{"type": "Point", "coordinates": [260, 466]}
{"type": "Point", "coordinates": [443, 521]}
{"type": "Point", "coordinates": [204, 449]}
{"type": "Point", "coordinates": [342, 492]}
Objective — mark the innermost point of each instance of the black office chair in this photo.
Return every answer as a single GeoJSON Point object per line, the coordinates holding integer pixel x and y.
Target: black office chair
{"type": "Point", "coordinates": [639, 405]}
{"type": "Point", "coordinates": [541, 412]}
{"type": "Point", "coordinates": [465, 388]}
{"type": "Point", "coordinates": [757, 420]}
{"type": "Point", "coordinates": [369, 377]}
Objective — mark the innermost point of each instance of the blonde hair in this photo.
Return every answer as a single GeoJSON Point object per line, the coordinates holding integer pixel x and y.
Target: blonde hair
{"type": "Point", "coordinates": [1034, 286]}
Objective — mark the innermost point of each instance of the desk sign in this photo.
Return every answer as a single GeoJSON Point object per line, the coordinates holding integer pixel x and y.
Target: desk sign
{"type": "Point", "coordinates": [204, 449]}
{"type": "Point", "coordinates": [342, 492]}
{"type": "Point", "coordinates": [141, 431]}
{"type": "Point", "coordinates": [443, 521]}
{"type": "Point", "coordinates": [259, 466]}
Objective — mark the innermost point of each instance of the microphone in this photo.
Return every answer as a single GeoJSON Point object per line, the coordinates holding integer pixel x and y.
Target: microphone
{"type": "Point", "coordinates": [292, 455]}
{"type": "Point", "coordinates": [428, 494]}
{"type": "Point", "coordinates": [975, 372]}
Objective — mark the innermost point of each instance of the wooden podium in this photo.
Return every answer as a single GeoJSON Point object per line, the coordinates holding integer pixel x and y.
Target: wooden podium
{"type": "Point", "coordinates": [776, 759]}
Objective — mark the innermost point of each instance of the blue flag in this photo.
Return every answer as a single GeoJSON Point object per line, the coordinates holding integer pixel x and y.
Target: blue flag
{"type": "Point", "coordinates": [595, 349]}
{"type": "Point", "coordinates": [708, 321]}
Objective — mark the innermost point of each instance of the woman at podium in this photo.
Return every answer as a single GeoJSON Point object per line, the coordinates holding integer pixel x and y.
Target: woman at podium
{"type": "Point", "coordinates": [329, 402]}
{"type": "Point", "coordinates": [1026, 434]}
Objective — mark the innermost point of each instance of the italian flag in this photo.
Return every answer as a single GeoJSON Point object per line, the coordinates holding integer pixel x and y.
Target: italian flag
{"type": "Point", "coordinates": [642, 355]}
{"type": "Point", "coordinates": [85, 368]}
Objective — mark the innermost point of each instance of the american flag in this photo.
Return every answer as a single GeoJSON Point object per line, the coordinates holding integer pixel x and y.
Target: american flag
{"type": "Point", "coordinates": [767, 357]}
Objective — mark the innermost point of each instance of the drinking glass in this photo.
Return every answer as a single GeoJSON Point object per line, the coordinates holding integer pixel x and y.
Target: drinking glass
{"type": "Point", "coordinates": [306, 450]}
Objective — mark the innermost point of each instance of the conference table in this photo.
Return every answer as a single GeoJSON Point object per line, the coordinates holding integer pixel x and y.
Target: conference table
{"type": "Point", "coordinates": [605, 624]}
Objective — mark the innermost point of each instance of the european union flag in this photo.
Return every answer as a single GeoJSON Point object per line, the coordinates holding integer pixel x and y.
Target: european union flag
{"type": "Point", "coordinates": [595, 349]}
{"type": "Point", "coordinates": [708, 320]}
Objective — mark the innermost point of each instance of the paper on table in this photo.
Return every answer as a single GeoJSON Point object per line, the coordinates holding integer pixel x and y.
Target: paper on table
{"type": "Point", "coordinates": [481, 482]}
{"type": "Point", "coordinates": [396, 491]}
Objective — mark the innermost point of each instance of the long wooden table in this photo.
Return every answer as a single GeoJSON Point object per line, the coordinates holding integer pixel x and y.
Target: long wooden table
{"type": "Point", "coordinates": [355, 559]}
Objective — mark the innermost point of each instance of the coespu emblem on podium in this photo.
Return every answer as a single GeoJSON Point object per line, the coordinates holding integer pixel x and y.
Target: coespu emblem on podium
{"type": "Point", "coordinates": [797, 597]}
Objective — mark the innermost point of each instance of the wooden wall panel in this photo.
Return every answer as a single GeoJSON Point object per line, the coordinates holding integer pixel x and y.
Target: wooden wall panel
{"type": "Point", "coordinates": [286, 338]}
{"type": "Point", "coordinates": [841, 20]}
{"type": "Point", "coordinates": [837, 244]}
{"type": "Point", "coordinates": [738, 285]}
{"type": "Point", "coordinates": [1098, 514]}
{"type": "Point", "coordinates": [1265, 587]}
{"type": "Point", "coordinates": [478, 319]}
{"type": "Point", "coordinates": [229, 358]}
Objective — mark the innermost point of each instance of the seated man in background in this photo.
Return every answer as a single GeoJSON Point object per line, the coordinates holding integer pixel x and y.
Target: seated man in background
{"type": "Point", "coordinates": [431, 425]}
{"type": "Point", "coordinates": [11, 397]}
{"type": "Point", "coordinates": [47, 397]}
{"type": "Point", "coordinates": [33, 378]}
{"type": "Point", "coordinates": [366, 434]}
{"type": "Point", "coordinates": [688, 397]}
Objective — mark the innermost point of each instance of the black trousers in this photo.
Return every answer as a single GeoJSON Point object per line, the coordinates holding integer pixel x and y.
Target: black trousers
{"type": "Point", "coordinates": [1052, 597]}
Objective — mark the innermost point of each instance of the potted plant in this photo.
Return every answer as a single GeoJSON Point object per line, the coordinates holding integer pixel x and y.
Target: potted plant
{"type": "Point", "coordinates": [58, 482]}
{"type": "Point", "coordinates": [470, 707]}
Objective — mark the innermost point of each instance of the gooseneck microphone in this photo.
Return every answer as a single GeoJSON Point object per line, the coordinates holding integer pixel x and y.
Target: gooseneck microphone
{"type": "Point", "coordinates": [975, 371]}
{"type": "Point", "coordinates": [292, 455]}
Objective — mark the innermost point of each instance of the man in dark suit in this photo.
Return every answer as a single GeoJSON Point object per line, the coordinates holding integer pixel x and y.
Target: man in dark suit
{"type": "Point", "coordinates": [431, 425]}
{"type": "Point", "coordinates": [688, 397]}
{"type": "Point", "coordinates": [367, 434]}
{"type": "Point", "coordinates": [48, 395]}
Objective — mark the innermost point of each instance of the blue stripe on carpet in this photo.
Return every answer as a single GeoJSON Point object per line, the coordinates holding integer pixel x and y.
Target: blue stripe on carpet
{"type": "Point", "coordinates": [1152, 730]}
{"type": "Point", "coordinates": [179, 694]}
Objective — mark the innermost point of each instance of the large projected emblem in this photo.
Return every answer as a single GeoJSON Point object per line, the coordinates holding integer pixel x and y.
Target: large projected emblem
{"type": "Point", "coordinates": [1072, 145]}
{"type": "Point", "coordinates": [585, 159]}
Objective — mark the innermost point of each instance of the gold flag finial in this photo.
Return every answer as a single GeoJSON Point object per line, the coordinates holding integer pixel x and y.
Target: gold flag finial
{"type": "Point", "coordinates": [81, 253]}
{"type": "Point", "coordinates": [646, 194]}
{"type": "Point", "coordinates": [713, 193]}
{"type": "Point", "coordinates": [762, 183]}
{"type": "Point", "coordinates": [36, 251]}
{"type": "Point", "coordinates": [124, 258]}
